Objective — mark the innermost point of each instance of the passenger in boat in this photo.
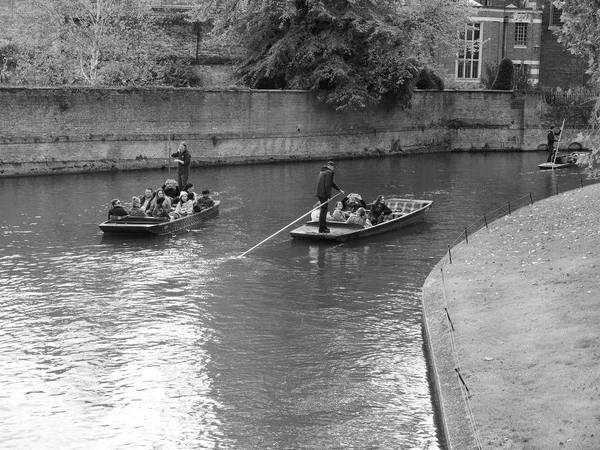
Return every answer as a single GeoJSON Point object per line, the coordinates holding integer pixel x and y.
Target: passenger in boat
{"type": "Point", "coordinates": [338, 214]}
{"type": "Point", "coordinates": [162, 208]}
{"type": "Point", "coordinates": [160, 193]}
{"type": "Point", "coordinates": [183, 158]}
{"type": "Point", "coordinates": [136, 210]}
{"type": "Point", "coordinates": [380, 212]}
{"type": "Point", "coordinates": [359, 217]}
{"type": "Point", "coordinates": [325, 184]}
{"type": "Point", "coordinates": [116, 211]}
{"type": "Point", "coordinates": [205, 201]}
{"type": "Point", "coordinates": [189, 188]}
{"type": "Point", "coordinates": [172, 190]}
{"type": "Point", "coordinates": [184, 208]}
{"type": "Point", "coordinates": [551, 140]}
{"type": "Point", "coordinates": [352, 202]}
{"type": "Point", "coordinates": [146, 200]}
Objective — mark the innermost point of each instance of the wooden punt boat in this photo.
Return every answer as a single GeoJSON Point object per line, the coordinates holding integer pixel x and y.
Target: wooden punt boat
{"type": "Point", "coordinates": [561, 162]}
{"type": "Point", "coordinates": [405, 212]}
{"type": "Point", "coordinates": [156, 226]}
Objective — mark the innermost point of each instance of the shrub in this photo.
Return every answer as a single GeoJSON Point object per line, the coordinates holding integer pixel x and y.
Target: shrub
{"type": "Point", "coordinates": [429, 80]}
{"type": "Point", "coordinates": [504, 79]}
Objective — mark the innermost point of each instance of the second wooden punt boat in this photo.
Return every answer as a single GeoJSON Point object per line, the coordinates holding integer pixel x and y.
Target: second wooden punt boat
{"type": "Point", "coordinates": [405, 212]}
{"type": "Point", "coordinates": [156, 226]}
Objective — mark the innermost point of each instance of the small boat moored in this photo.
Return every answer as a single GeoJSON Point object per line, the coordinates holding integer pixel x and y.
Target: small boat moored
{"type": "Point", "coordinates": [156, 226]}
{"type": "Point", "coordinates": [405, 212]}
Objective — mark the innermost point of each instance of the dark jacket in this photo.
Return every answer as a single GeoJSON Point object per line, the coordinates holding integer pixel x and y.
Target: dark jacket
{"type": "Point", "coordinates": [325, 183]}
{"type": "Point", "coordinates": [552, 136]}
{"type": "Point", "coordinates": [379, 209]}
{"type": "Point", "coordinates": [116, 212]}
{"type": "Point", "coordinates": [203, 203]}
{"type": "Point", "coordinates": [186, 157]}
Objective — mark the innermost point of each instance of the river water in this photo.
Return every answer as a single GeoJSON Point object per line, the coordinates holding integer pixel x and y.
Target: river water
{"type": "Point", "coordinates": [177, 343]}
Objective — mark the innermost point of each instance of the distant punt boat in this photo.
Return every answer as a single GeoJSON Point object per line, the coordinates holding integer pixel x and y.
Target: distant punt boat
{"type": "Point", "coordinates": [405, 212]}
{"type": "Point", "coordinates": [156, 226]}
{"type": "Point", "coordinates": [561, 162]}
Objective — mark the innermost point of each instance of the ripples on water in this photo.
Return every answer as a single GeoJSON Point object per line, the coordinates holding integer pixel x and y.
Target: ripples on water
{"type": "Point", "coordinates": [175, 342]}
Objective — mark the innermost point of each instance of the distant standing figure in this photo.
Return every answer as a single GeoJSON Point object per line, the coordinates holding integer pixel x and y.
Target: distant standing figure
{"type": "Point", "coordinates": [551, 140]}
{"type": "Point", "coordinates": [325, 184]}
{"type": "Point", "coordinates": [183, 158]}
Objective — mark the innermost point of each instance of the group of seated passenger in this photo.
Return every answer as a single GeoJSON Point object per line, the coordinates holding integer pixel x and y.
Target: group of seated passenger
{"type": "Point", "coordinates": [168, 202]}
{"type": "Point", "coordinates": [353, 209]}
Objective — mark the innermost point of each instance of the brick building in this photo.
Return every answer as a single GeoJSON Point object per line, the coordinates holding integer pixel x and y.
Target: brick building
{"type": "Point", "coordinates": [522, 33]}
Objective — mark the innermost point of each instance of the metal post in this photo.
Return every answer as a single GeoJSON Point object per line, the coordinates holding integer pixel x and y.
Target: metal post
{"type": "Point", "coordinates": [466, 235]}
{"type": "Point", "coordinates": [485, 220]}
{"type": "Point", "coordinates": [531, 198]}
{"type": "Point", "coordinates": [449, 255]}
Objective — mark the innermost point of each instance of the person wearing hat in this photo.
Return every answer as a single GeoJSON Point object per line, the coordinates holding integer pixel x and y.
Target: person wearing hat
{"type": "Point", "coordinates": [136, 209]}
{"type": "Point", "coordinates": [184, 208]}
{"type": "Point", "coordinates": [551, 140]}
{"type": "Point", "coordinates": [183, 158]}
{"type": "Point", "coordinates": [325, 184]}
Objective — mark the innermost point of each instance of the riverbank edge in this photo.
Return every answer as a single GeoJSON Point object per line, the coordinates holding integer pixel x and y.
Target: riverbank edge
{"type": "Point", "coordinates": [454, 417]}
{"type": "Point", "coordinates": [53, 167]}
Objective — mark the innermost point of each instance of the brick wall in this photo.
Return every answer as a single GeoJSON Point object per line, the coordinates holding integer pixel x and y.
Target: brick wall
{"type": "Point", "coordinates": [58, 130]}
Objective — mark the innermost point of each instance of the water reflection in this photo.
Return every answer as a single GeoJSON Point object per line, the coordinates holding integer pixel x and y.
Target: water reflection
{"type": "Point", "coordinates": [176, 342]}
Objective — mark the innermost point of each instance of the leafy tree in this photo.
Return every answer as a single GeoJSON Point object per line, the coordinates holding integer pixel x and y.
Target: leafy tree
{"type": "Point", "coordinates": [504, 79]}
{"type": "Point", "coordinates": [95, 42]}
{"type": "Point", "coordinates": [353, 52]}
{"type": "Point", "coordinates": [580, 33]}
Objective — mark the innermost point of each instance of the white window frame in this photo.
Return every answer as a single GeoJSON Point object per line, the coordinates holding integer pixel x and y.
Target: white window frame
{"type": "Point", "coordinates": [468, 59]}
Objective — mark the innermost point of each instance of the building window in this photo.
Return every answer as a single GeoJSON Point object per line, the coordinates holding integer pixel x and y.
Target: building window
{"type": "Point", "coordinates": [520, 33]}
{"type": "Point", "coordinates": [555, 17]}
{"type": "Point", "coordinates": [468, 60]}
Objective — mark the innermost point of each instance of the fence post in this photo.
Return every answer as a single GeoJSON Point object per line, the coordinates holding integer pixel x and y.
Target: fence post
{"type": "Point", "coordinates": [466, 235]}
{"type": "Point", "coordinates": [581, 182]}
{"type": "Point", "coordinates": [449, 255]}
{"type": "Point", "coordinates": [509, 208]}
{"type": "Point", "coordinates": [556, 188]}
{"type": "Point", "coordinates": [485, 220]}
{"type": "Point", "coordinates": [531, 198]}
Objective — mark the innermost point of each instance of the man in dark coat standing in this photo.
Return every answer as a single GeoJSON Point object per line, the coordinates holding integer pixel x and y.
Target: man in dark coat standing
{"type": "Point", "coordinates": [324, 185]}
{"type": "Point", "coordinates": [183, 160]}
{"type": "Point", "coordinates": [551, 140]}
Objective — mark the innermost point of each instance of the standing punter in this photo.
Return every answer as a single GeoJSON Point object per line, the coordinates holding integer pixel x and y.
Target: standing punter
{"type": "Point", "coordinates": [324, 185]}
{"type": "Point", "coordinates": [183, 160]}
{"type": "Point", "coordinates": [551, 140]}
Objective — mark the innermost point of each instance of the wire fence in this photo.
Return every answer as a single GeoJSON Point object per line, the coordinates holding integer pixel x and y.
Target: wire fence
{"type": "Point", "coordinates": [506, 209]}
{"type": "Point", "coordinates": [571, 97]}
{"type": "Point", "coordinates": [484, 221]}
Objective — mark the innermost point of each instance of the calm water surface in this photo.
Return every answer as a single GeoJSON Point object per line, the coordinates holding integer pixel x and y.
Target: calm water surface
{"type": "Point", "coordinates": [176, 343]}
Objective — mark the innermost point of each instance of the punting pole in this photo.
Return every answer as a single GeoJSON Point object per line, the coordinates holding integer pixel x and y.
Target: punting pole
{"type": "Point", "coordinates": [169, 153]}
{"type": "Point", "coordinates": [289, 225]}
{"type": "Point", "coordinates": [557, 144]}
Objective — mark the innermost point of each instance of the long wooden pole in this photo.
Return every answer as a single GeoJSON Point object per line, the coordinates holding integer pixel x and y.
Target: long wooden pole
{"type": "Point", "coordinates": [555, 153]}
{"type": "Point", "coordinates": [169, 153]}
{"type": "Point", "coordinates": [289, 225]}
